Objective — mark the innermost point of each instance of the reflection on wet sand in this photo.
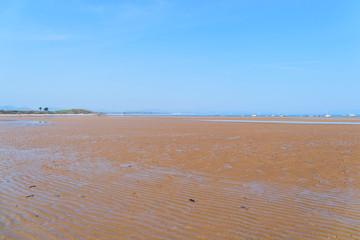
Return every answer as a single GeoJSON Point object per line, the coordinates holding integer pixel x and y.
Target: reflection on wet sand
{"type": "Point", "coordinates": [22, 122]}
{"type": "Point", "coordinates": [150, 178]}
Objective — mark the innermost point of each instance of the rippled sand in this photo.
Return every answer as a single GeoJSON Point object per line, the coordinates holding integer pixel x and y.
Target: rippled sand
{"type": "Point", "coordinates": [178, 178]}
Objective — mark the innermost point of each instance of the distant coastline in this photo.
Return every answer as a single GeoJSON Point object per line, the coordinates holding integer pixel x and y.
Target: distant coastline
{"type": "Point", "coordinates": [69, 111]}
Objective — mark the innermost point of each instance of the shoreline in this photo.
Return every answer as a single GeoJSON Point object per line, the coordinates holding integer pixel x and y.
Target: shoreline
{"type": "Point", "coordinates": [205, 118]}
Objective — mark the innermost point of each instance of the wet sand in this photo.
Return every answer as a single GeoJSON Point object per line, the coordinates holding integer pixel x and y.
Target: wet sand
{"type": "Point", "coordinates": [177, 178]}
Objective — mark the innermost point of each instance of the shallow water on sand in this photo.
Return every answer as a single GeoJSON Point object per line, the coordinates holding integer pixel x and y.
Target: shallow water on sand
{"type": "Point", "coordinates": [160, 179]}
{"type": "Point", "coordinates": [23, 122]}
{"type": "Point", "coordinates": [291, 122]}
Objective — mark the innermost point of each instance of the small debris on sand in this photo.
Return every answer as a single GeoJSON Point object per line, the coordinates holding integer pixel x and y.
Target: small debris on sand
{"type": "Point", "coordinates": [32, 195]}
{"type": "Point", "coordinates": [57, 195]}
{"type": "Point", "coordinates": [191, 200]}
{"type": "Point", "coordinates": [32, 186]}
{"type": "Point", "coordinates": [246, 208]}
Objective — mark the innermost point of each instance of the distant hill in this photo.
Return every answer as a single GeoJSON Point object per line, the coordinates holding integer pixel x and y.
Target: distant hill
{"type": "Point", "coordinates": [15, 108]}
{"type": "Point", "coordinates": [70, 111]}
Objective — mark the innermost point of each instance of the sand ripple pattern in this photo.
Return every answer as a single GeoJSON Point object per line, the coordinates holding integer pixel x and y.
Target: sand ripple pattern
{"type": "Point", "coordinates": [139, 204]}
{"type": "Point", "coordinates": [42, 198]}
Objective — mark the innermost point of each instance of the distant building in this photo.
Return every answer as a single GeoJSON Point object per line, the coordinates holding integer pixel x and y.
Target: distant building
{"type": "Point", "coordinates": [253, 115]}
{"type": "Point", "coordinates": [327, 115]}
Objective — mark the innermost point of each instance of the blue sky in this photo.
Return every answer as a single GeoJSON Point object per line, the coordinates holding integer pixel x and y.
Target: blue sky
{"type": "Point", "coordinates": [299, 56]}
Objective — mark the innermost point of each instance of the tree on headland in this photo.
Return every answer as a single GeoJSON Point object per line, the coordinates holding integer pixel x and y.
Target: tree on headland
{"type": "Point", "coordinates": [46, 109]}
{"type": "Point", "coordinates": [40, 108]}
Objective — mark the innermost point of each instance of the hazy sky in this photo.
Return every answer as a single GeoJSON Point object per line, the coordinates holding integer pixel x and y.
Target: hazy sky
{"type": "Point", "coordinates": [242, 56]}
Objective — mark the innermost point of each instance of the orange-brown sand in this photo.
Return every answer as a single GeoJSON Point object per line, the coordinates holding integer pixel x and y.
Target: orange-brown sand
{"type": "Point", "coordinates": [177, 178]}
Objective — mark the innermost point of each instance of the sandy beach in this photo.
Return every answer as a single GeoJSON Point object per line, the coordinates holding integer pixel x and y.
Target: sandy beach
{"type": "Point", "coordinates": [177, 178]}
